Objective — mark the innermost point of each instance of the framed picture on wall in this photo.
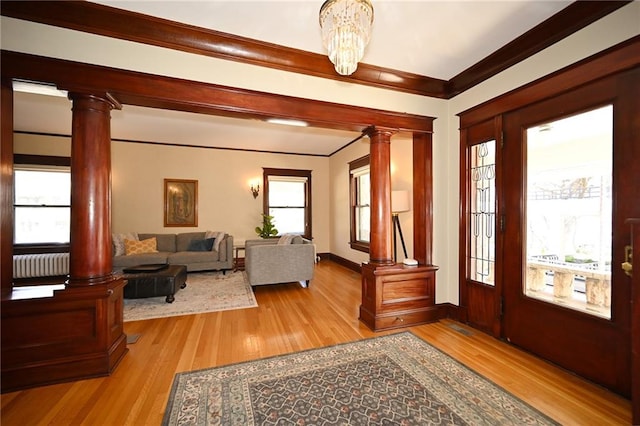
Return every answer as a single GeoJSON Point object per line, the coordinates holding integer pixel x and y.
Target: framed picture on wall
{"type": "Point", "coordinates": [180, 202]}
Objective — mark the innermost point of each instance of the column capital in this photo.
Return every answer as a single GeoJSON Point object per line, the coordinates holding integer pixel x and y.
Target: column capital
{"type": "Point", "coordinates": [77, 95]}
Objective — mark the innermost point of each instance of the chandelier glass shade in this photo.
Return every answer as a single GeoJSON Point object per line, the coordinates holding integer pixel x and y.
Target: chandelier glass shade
{"type": "Point", "coordinates": [346, 29]}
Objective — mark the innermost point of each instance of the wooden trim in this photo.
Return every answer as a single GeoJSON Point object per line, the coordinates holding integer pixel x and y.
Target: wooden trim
{"type": "Point", "coordinates": [569, 20]}
{"type": "Point", "coordinates": [353, 241]}
{"type": "Point", "coordinates": [356, 267]}
{"type": "Point", "coordinates": [116, 23]}
{"type": "Point", "coordinates": [618, 58]}
{"type": "Point", "coordinates": [133, 88]}
{"type": "Point", "coordinates": [423, 198]}
{"type": "Point", "coordinates": [6, 186]}
{"type": "Point", "coordinates": [308, 208]}
{"type": "Point", "coordinates": [47, 160]}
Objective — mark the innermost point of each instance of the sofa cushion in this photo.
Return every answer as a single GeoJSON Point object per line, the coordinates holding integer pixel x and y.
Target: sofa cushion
{"type": "Point", "coordinates": [190, 257]}
{"type": "Point", "coordinates": [183, 239]}
{"type": "Point", "coordinates": [120, 262]}
{"type": "Point", "coordinates": [201, 245]}
{"type": "Point", "coordinates": [218, 235]}
{"type": "Point", "coordinates": [118, 242]}
{"type": "Point", "coordinates": [166, 242]}
{"type": "Point", "coordinates": [139, 247]}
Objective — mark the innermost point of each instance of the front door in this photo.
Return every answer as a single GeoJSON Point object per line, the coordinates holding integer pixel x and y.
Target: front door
{"type": "Point", "coordinates": [570, 179]}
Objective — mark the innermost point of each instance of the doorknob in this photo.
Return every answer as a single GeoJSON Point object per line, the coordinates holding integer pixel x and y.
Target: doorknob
{"type": "Point", "coordinates": [627, 265]}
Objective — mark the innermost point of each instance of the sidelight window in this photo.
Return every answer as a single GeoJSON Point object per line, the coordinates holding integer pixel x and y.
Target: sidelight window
{"type": "Point", "coordinates": [482, 220]}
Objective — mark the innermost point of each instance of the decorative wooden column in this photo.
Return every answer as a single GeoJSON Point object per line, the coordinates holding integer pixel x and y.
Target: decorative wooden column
{"type": "Point", "coordinates": [380, 244]}
{"type": "Point", "coordinates": [90, 244]}
{"type": "Point", "coordinates": [75, 330]}
{"type": "Point", "coordinates": [393, 295]}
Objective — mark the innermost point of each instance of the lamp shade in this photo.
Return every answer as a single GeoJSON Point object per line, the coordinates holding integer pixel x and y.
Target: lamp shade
{"type": "Point", "coordinates": [400, 201]}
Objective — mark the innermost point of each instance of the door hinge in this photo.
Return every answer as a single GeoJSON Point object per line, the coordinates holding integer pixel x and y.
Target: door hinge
{"type": "Point", "coordinates": [502, 222]}
{"type": "Point", "coordinates": [501, 308]}
{"type": "Point", "coordinates": [501, 140]}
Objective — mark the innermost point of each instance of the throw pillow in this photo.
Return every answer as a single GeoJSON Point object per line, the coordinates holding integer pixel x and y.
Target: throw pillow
{"type": "Point", "coordinates": [201, 245]}
{"type": "Point", "coordinates": [118, 242]}
{"type": "Point", "coordinates": [286, 239]}
{"type": "Point", "coordinates": [139, 247]}
{"type": "Point", "coordinates": [218, 235]}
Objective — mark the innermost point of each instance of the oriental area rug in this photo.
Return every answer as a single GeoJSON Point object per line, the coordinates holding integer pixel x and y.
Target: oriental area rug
{"type": "Point", "coordinates": [398, 379]}
{"type": "Point", "coordinates": [205, 292]}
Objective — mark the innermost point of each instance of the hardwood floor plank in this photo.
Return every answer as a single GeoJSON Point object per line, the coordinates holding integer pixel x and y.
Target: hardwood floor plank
{"type": "Point", "coordinates": [288, 319]}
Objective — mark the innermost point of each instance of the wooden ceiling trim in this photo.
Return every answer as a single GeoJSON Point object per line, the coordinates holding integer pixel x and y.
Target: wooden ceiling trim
{"type": "Point", "coordinates": [619, 58]}
{"type": "Point", "coordinates": [566, 22]}
{"type": "Point", "coordinates": [116, 23]}
{"type": "Point", "coordinates": [148, 90]}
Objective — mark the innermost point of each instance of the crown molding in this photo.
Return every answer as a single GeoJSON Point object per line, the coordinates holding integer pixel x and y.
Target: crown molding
{"type": "Point", "coordinates": [116, 23]}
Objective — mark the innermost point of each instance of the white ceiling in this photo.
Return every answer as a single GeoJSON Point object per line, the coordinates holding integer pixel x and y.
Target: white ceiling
{"type": "Point", "coordinates": [436, 39]}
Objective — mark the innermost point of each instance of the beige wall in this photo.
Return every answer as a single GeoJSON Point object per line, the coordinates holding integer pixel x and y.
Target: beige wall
{"type": "Point", "coordinates": [333, 235]}
{"type": "Point", "coordinates": [224, 200]}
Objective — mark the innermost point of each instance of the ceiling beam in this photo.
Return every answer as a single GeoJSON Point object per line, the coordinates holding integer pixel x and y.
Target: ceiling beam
{"type": "Point", "coordinates": [116, 23]}
{"type": "Point", "coordinates": [134, 88]}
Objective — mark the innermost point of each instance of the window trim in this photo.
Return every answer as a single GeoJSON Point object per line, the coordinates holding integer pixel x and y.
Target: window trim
{"type": "Point", "coordinates": [40, 160]}
{"type": "Point", "coordinates": [267, 172]}
{"type": "Point", "coordinates": [354, 243]}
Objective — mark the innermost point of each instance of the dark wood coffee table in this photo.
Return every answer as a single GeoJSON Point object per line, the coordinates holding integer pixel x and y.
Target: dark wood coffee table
{"type": "Point", "coordinates": [154, 281]}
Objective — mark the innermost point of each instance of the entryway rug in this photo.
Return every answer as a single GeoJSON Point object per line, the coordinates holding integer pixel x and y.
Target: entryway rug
{"type": "Point", "coordinates": [205, 292]}
{"type": "Point", "coordinates": [389, 380]}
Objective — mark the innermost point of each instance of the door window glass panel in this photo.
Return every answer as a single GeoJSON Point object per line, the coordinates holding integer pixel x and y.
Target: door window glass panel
{"type": "Point", "coordinates": [482, 220]}
{"type": "Point", "coordinates": [568, 211]}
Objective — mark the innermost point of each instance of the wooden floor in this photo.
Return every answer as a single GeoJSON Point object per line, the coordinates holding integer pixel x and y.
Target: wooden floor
{"type": "Point", "coordinates": [290, 318]}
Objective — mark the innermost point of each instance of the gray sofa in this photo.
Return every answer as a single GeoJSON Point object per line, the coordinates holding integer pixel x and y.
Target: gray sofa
{"type": "Point", "coordinates": [267, 262]}
{"type": "Point", "coordinates": [173, 250]}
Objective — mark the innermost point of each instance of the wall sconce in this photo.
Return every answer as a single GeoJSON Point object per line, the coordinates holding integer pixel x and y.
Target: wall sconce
{"type": "Point", "coordinates": [255, 190]}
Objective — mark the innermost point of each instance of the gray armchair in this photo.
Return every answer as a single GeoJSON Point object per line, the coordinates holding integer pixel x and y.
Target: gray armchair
{"type": "Point", "coordinates": [267, 262]}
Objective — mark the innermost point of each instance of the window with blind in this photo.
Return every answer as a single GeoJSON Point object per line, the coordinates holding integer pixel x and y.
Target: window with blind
{"type": "Point", "coordinates": [42, 204]}
{"type": "Point", "coordinates": [288, 200]}
{"type": "Point", "coordinates": [360, 199]}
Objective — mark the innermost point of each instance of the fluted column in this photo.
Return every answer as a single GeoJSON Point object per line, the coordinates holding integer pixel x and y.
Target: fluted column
{"type": "Point", "coordinates": [90, 245]}
{"type": "Point", "coordinates": [380, 243]}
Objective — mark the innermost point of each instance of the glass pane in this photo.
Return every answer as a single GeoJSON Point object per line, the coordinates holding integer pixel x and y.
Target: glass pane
{"type": "Point", "coordinates": [363, 223]}
{"type": "Point", "coordinates": [482, 220]}
{"type": "Point", "coordinates": [42, 225]}
{"type": "Point", "coordinates": [288, 220]}
{"type": "Point", "coordinates": [364, 189]}
{"type": "Point", "coordinates": [568, 211]}
{"type": "Point", "coordinates": [286, 194]}
{"type": "Point", "coordinates": [43, 187]}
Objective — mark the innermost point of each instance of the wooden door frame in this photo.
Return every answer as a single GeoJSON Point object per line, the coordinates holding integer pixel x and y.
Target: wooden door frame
{"type": "Point", "coordinates": [619, 58]}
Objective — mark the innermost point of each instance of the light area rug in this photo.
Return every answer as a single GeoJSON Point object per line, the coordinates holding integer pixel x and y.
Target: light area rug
{"type": "Point", "coordinates": [397, 379]}
{"type": "Point", "coordinates": [205, 292]}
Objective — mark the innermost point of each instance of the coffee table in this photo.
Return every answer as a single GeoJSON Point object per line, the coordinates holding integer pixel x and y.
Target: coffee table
{"type": "Point", "coordinates": [154, 280]}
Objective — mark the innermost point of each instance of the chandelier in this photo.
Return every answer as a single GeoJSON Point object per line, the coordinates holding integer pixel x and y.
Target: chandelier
{"type": "Point", "coordinates": [346, 28]}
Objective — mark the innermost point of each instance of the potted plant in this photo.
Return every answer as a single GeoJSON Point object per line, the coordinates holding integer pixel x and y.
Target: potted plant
{"type": "Point", "coordinates": [268, 229]}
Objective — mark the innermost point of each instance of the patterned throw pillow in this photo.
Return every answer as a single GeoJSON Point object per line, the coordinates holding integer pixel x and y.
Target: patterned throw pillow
{"type": "Point", "coordinates": [139, 247]}
{"type": "Point", "coordinates": [118, 242]}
